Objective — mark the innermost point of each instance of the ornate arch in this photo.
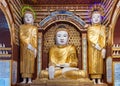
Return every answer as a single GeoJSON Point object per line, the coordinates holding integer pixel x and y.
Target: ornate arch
{"type": "Point", "coordinates": [47, 26]}
{"type": "Point", "coordinates": [64, 16]}
{"type": "Point", "coordinates": [113, 23]}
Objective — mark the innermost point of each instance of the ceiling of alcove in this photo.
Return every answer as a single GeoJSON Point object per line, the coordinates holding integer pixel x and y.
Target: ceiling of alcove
{"type": "Point", "coordinates": [40, 2]}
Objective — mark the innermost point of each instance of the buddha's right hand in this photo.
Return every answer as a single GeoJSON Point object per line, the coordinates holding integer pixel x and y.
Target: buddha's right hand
{"type": "Point", "coordinates": [30, 47]}
{"type": "Point", "coordinates": [33, 49]}
{"type": "Point", "coordinates": [97, 46]}
{"type": "Point", "coordinates": [51, 71]}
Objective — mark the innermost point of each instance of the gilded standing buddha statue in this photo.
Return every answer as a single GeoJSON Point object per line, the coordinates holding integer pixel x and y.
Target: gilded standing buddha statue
{"type": "Point", "coordinates": [96, 47]}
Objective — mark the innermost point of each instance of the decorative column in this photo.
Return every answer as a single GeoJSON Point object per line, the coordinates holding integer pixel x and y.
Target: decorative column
{"type": "Point", "coordinates": [109, 69]}
{"type": "Point", "coordinates": [84, 51]}
{"type": "Point", "coordinates": [39, 57]}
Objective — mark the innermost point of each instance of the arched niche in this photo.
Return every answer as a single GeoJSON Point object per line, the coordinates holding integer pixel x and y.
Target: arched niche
{"type": "Point", "coordinates": [48, 27]}
{"type": "Point", "coordinates": [48, 40]}
{"type": "Point", "coordinates": [5, 37]}
{"type": "Point", "coordinates": [5, 44]}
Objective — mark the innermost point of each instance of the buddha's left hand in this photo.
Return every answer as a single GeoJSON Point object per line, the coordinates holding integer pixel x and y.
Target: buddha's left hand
{"type": "Point", "coordinates": [35, 53]}
{"type": "Point", "coordinates": [65, 65]}
{"type": "Point", "coordinates": [103, 52]}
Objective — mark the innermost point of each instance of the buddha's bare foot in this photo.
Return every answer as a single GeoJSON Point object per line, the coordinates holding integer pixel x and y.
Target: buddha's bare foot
{"type": "Point", "coordinates": [29, 82]}
{"type": "Point", "coordinates": [94, 81]}
{"type": "Point", "coordinates": [99, 81]}
{"type": "Point", "coordinates": [23, 82]}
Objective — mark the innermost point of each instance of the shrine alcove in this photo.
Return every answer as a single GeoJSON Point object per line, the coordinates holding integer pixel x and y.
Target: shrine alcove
{"type": "Point", "coordinates": [75, 37]}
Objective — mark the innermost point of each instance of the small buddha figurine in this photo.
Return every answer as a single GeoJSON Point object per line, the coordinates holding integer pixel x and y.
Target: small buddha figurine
{"type": "Point", "coordinates": [28, 45]}
{"type": "Point", "coordinates": [96, 47]}
{"type": "Point", "coordinates": [63, 59]}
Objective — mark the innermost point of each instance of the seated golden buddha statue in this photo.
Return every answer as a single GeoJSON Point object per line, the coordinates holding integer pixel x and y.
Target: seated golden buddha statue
{"type": "Point", "coordinates": [63, 59]}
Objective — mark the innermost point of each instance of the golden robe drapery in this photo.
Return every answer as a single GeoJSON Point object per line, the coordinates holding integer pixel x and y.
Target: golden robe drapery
{"type": "Point", "coordinates": [62, 55]}
{"type": "Point", "coordinates": [96, 35]}
{"type": "Point", "coordinates": [28, 35]}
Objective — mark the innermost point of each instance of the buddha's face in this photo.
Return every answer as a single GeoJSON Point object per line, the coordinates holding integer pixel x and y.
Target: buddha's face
{"type": "Point", "coordinates": [96, 18]}
{"type": "Point", "coordinates": [62, 37]}
{"type": "Point", "coordinates": [28, 18]}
